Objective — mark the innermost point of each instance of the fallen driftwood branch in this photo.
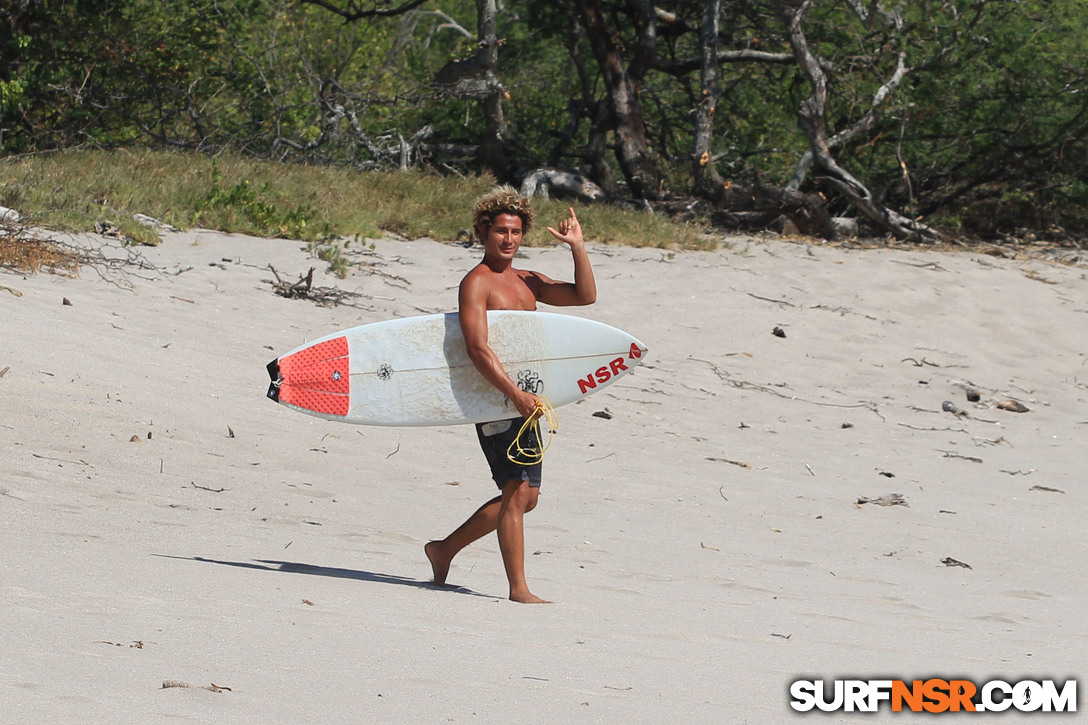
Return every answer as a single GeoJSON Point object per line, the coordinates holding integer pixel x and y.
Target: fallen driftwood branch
{"type": "Point", "coordinates": [771, 299]}
{"type": "Point", "coordinates": [167, 684]}
{"type": "Point", "coordinates": [541, 182]}
{"type": "Point", "coordinates": [206, 488]}
{"type": "Point", "coordinates": [953, 454]}
{"type": "Point", "coordinates": [304, 289]}
{"type": "Point", "coordinates": [892, 499]}
{"type": "Point", "coordinates": [294, 290]}
{"type": "Point", "coordinates": [730, 461]}
{"type": "Point", "coordinates": [152, 223]}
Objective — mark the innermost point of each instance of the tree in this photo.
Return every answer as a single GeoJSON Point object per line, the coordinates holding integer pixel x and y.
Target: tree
{"type": "Point", "coordinates": [704, 170]}
{"type": "Point", "coordinates": [473, 78]}
{"type": "Point", "coordinates": [622, 82]}
{"type": "Point", "coordinates": [812, 119]}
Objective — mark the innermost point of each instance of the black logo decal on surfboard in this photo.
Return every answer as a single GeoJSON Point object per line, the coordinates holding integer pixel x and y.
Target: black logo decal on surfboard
{"type": "Point", "coordinates": [530, 382]}
{"type": "Point", "coordinates": [385, 371]}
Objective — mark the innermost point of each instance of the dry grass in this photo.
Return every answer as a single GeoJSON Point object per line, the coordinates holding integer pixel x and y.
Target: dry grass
{"type": "Point", "coordinates": [20, 252]}
{"type": "Point", "coordinates": [72, 190]}
{"type": "Point", "coordinates": [77, 191]}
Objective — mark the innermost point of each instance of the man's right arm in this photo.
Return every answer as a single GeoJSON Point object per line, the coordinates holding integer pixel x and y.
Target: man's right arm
{"type": "Point", "coordinates": [472, 313]}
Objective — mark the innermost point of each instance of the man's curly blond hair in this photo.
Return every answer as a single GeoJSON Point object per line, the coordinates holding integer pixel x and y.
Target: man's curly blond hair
{"type": "Point", "coordinates": [501, 200]}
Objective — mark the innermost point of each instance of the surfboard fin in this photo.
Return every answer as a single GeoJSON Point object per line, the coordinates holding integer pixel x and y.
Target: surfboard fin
{"type": "Point", "coordinates": [277, 380]}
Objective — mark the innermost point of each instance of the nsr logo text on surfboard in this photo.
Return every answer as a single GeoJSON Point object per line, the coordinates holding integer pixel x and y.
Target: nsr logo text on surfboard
{"type": "Point", "coordinates": [606, 372]}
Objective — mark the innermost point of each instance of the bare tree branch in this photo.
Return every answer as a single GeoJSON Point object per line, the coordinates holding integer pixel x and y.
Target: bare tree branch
{"type": "Point", "coordinates": [863, 124]}
{"type": "Point", "coordinates": [704, 171]}
{"type": "Point", "coordinates": [351, 11]}
{"type": "Point", "coordinates": [746, 55]}
{"type": "Point", "coordinates": [827, 167]}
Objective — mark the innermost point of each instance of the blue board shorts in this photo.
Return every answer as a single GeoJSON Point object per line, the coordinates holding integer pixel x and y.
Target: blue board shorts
{"type": "Point", "coordinates": [495, 439]}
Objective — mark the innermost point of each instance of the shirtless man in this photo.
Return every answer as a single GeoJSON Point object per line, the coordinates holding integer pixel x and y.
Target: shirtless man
{"type": "Point", "coordinates": [501, 219]}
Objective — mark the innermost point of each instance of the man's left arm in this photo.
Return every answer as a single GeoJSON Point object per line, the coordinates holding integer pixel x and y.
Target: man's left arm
{"type": "Point", "coordinates": [583, 291]}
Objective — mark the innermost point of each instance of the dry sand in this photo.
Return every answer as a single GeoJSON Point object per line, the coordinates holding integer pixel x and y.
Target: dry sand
{"type": "Point", "coordinates": [162, 522]}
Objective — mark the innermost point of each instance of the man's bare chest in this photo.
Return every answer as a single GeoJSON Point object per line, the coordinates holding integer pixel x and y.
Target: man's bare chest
{"type": "Point", "coordinates": [511, 293]}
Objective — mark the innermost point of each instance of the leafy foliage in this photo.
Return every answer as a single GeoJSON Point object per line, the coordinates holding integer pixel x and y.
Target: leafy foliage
{"type": "Point", "coordinates": [256, 209]}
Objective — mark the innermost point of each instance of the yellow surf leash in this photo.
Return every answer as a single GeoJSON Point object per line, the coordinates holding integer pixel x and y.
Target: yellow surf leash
{"type": "Point", "coordinates": [528, 456]}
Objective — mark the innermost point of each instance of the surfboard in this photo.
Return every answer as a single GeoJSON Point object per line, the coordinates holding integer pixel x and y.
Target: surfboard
{"type": "Point", "coordinates": [415, 371]}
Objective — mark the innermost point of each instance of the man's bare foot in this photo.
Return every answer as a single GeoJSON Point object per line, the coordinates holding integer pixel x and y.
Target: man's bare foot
{"type": "Point", "coordinates": [440, 565]}
{"type": "Point", "coordinates": [527, 598]}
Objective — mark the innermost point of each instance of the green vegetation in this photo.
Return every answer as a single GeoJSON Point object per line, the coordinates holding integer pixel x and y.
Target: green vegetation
{"type": "Point", "coordinates": [322, 205]}
{"type": "Point", "coordinates": [988, 125]}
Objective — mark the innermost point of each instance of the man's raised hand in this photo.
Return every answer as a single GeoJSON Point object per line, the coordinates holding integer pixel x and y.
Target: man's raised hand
{"type": "Point", "coordinates": [570, 231]}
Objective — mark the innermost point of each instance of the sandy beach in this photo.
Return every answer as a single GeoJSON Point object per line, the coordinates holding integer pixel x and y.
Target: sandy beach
{"type": "Point", "coordinates": [822, 503]}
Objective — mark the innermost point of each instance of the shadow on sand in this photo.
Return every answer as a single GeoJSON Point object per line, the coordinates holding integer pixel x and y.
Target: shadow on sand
{"type": "Point", "coordinates": [292, 567]}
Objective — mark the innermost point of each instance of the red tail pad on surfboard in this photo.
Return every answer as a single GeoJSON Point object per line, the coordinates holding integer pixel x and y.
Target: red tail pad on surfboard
{"type": "Point", "coordinates": [316, 378]}
{"type": "Point", "coordinates": [416, 371]}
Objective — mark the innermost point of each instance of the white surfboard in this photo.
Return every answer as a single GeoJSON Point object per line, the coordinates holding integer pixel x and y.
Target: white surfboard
{"type": "Point", "coordinates": [415, 371]}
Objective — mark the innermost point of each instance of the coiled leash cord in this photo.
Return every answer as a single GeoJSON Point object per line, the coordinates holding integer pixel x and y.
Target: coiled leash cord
{"type": "Point", "coordinates": [529, 456]}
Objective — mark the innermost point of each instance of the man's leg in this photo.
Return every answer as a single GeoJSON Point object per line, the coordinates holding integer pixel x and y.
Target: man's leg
{"type": "Point", "coordinates": [480, 524]}
{"type": "Point", "coordinates": [518, 498]}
